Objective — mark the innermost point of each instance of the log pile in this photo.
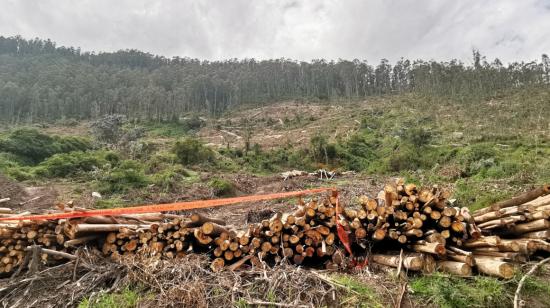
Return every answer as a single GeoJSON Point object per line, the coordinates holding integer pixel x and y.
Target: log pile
{"type": "Point", "coordinates": [430, 232]}
{"type": "Point", "coordinates": [517, 228]}
{"type": "Point", "coordinates": [306, 236]}
{"type": "Point", "coordinates": [424, 221]}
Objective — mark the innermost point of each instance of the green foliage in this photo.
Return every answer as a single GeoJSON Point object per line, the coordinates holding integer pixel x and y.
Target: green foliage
{"type": "Point", "coordinates": [108, 203]}
{"type": "Point", "coordinates": [33, 146]}
{"type": "Point", "coordinates": [170, 178]}
{"type": "Point", "coordinates": [454, 292]}
{"type": "Point", "coordinates": [167, 129]}
{"type": "Point", "coordinates": [322, 150]}
{"type": "Point", "coordinates": [417, 136]}
{"type": "Point", "coordinates": [191, 151]}
{"type": "Point", "coordinates": [61, 165]}
{"type": "Point", "coordinates": [125, 298]}
{"type": "Point", "coordinates": [127, 175]}
{"type": "Point", "coordinates": [360, 294]}
{"type": "Point", "coordinates": [221, 187]}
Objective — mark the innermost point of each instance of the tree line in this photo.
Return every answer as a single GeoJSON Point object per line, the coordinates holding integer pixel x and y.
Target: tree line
{"type": "Point", "coordinates": [40, 81]}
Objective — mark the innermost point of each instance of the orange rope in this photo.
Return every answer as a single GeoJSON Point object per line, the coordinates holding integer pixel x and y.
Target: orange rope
{"type": "Point", "coordinates": [179, 206]}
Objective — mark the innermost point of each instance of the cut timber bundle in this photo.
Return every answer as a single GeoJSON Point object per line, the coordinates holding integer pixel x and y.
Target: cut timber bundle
{"type": "Point", "coordinates": [404, 214]}
{"type": "Point", "coordinates": [521, 224]}
{"type": "Point", "coordinates": [420, 221]}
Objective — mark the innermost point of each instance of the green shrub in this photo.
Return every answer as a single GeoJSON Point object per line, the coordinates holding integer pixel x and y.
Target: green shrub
{"type": "Point", "coordinates": [417, 136]}
{"type": "Point", "coordinates": [129, 174]}
{"type": "Point", "coordinates": [221, 187]}
{"type": "Point", "coordinates": [33, 146]}
{"type": "Point", "coordinates": [191, 151]}
{"type": "Point", "coordinates": [169, 179]}
{"type": "Point", "coordinates": [60, 165]}
{"type": "Point", "coordinates": [477, 157]}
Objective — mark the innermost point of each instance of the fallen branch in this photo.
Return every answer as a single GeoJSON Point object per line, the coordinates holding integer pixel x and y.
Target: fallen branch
{"type": "Point", "coordinates": [522, 281]}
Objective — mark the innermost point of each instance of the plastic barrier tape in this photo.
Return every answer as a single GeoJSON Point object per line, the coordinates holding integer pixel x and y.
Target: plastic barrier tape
{"type": "Point", "coordinates": [179, 206]}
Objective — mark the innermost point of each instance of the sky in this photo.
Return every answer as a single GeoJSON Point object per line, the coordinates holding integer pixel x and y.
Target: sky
{"type": "Point", "coordinates": [512, 30]}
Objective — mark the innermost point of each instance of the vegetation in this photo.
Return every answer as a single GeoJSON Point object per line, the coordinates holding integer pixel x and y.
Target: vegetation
{"type": "Point", "coordinates": [449, 291]}
{"type": "Point", "coordinates": [360, 294]}
{"type": "Point", "coordinates": [42, 82]}
{"type": "Point", "coordinates": [192, 151]}
{"type": "Point", "coordinates": [126, 298]}
{"type": "Point", "coordinates": [221, 187]}
{"type": "Point", "coordinates": [31, 146]}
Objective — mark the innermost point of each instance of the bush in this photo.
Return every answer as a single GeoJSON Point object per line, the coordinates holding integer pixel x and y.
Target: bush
{"type": "Point", "coordinates": [60, 165]}
{"type": "Point", "coordinates": [477, 157]}
{"type": "Point", "coordinates": [191, 151]}
{"type": "Point", "coordinates": [129, 174]}
{"type": "Point", "coordinates": [417, 136]}
{"type": "Point", "coordinates": [221, 187]}
{"type": "Point", "coordinates": [170, 179]}
{"type": "Point", "coordinates": [33, 146]}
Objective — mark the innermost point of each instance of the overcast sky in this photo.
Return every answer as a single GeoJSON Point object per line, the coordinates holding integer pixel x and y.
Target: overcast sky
{"type": "Point", "coordinates": [303, 30]}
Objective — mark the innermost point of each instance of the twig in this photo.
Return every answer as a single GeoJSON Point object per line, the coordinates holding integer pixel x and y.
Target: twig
{"type": "Point", "coordinates": [522, 281]}
{"type": "Point", "coordinates": [400, 262]}
{"type": "Point", "coordinates": [400, 298]}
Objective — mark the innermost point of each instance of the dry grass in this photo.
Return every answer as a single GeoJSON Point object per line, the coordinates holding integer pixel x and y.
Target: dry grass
{"type": "Point", "coordinates": [187, 282]}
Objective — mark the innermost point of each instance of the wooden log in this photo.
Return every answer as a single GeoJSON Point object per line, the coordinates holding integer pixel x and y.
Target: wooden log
{"type": "Point", "coordinates": [490, 266]}
{"type": "Point", "coordinates": [455, 268]}
{"type": "Point", "coordinates": [468, 259]}
{"type": "Point", "coordinates": [501, 222]}
{"type": "Point", "coordinates": [413, 263]}
{"type": "Point", "coordinates": [540, 201]}
{"type": "Point", "coordinates": [536, 225]}
{"type": "Point", "coordinates": [198, 219]}
{"type": "Point", "coordinates": [484, 241]}
{"type": "Point", "coordinates": [213, 229]}
{"type": "Point", "coordinates": [543, 235]}
{"type": "Point", "coordinates": [502, 256]}
{"type": "Point", "coordinates": [217, 264]}
{"type": "Point", "coordinates": [432, 248]}
{"type": "Point", "coordinates": [523, 198]}
{"type": "Point", "coordinates": [81, 240]}
{"type": "Point", "coordinates": [201, 238]}
{"type": "Point", "coordinates": [72, 230]}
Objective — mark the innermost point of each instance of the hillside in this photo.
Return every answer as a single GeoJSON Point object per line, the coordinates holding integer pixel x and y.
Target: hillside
{"type": "Point", "coordinates": [482, 150]}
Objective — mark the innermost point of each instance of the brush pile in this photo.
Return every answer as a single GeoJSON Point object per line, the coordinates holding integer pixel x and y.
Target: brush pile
{"type": "Point", "coordinates": [423, 223]}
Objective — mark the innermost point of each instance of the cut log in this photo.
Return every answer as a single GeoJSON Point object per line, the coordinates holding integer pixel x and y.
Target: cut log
{"type": "Point", "coordinates": [523, 198]}
{"type": "Point", "coordinates": [213, 229]}
{"type": "Point", "coordinates": [536, 225]}
{"type": "Point", "coordinates": [413, 263]}
{"type": "Point", "coordinates": [484, 241]}
{"type": "Point", "coordinates": [543, 235]}
{"type": "Point", "coordinates": [455, 268]}
{"type": "Point", "coordinates": [199, 219]}
{"type": "Point", "coordinates": [432, 248]}
{"type": "Point", "coordinates": [490, 266]}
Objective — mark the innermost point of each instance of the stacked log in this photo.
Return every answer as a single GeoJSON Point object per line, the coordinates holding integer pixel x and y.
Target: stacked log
{"type": "Point", "coordinates": [422, 222]}
{"type": "Point", "coordinates": [519, 227]}
{"type": "Point", "coordinates": [422, 219]}
{"type": "Point", "coordinates": [306, 236]}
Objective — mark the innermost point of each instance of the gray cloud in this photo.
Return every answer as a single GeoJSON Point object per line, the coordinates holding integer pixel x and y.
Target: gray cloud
{"type": "Point", "coordinates": [297, 29]}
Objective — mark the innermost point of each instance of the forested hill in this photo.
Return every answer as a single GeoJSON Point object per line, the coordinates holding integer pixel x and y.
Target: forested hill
{"type": "Point", "coordinates": [42, 82]}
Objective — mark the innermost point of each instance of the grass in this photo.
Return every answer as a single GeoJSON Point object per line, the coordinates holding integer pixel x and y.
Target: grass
{"type": "Point", "coordinates": [360, 294]}
{"type": "Point", "coordinates": [126, 298]}
{"type": "Point", "coordinates": [454, 292]}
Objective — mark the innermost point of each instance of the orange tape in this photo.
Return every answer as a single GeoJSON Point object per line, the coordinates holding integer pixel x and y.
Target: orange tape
{"type": "Point", "coordinates": [179, 206]}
